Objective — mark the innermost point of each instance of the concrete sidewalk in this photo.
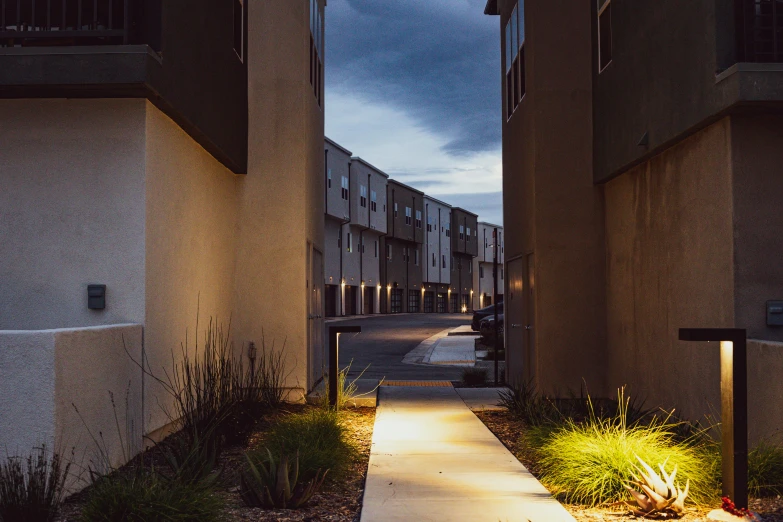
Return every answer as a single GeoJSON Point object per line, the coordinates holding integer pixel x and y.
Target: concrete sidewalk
{"type": "Point", "coordinates": [433, 460]}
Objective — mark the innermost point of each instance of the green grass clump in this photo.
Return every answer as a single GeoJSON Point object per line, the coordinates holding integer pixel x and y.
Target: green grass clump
{"type": "Point", "coordinates": [145, 496]}
{"type": "Point", "coordinates": [32, 488]}
{"type": "Point", "coordinates": [320, 438]}
{"type": "Point", "coordinates": [590, 462]}
{"type": "Point", "coordinates": [765, 470]}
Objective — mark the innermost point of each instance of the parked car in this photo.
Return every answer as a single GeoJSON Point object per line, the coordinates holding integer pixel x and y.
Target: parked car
{"type": "Point", "coordinates": [487, 327]}
{"type": "Point", "coordinates": [481, 313]}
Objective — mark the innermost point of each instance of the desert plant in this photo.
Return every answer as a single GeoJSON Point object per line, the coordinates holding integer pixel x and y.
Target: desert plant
{"type": "Point", "coordinates": [656, 496]}
{"type": "Point", "coordinates": [524, 401]}
{"type": "Point", "coordinates": [142, 495]}
{"type": "Point", "coordinates": [472, 376]}
{"type": "Point", "coordinates": [589, 462]}
{"type": "Point", "coordinates": [32, 487]}
{"type": "Point", "coordinates": [347, 389]}
{"type": "Point", "coordinates": [320, 438]}
{"type": "Point", "coordinates": [274, 483]}
{"type": "Point", "coordinates": [191, 459]}
{"type": "Point", "coordinates": [765, 469]}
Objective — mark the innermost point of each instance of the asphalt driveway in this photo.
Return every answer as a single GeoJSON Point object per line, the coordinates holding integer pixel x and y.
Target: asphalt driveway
{"type": "Point", "coordinates": [386, 339]}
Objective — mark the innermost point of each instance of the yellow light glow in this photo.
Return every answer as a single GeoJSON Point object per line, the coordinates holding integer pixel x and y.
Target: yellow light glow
{"type": "Point", "coordinates": [379, 286]}
{"type": "Point", "coordinates": [464, 309]}
{"type": "Point", "coordinates": [388, 287]}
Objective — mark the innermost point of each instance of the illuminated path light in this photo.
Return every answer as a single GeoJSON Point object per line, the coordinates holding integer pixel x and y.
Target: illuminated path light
{"type": "Point", "coordinates": [433, 459]}
{"type": "Point", "coordinates": [734, 405]}
{"type": "Point", "coordinates": [334, 370]}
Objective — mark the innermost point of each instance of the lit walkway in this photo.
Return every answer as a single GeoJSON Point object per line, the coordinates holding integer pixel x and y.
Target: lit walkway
{"type": "Point", "coordinates": [433, 460]}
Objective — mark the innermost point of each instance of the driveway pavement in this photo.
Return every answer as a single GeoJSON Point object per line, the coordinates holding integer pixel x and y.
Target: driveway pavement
{"type": "Point", "coordinates": [386, 339]}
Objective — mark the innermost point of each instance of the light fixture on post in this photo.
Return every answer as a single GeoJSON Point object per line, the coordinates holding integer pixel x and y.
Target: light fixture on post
{"type": "Point", "coordinates": [734, 405]}
{"type": "Point", "coordinates": [334, 371]}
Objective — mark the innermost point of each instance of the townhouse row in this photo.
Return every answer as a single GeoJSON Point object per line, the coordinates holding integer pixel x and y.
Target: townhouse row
{"type": "Point", "coordinates": [390, 248]}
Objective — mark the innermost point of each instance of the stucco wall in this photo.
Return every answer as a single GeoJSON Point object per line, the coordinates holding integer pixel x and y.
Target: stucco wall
{"type": "Point", "coordinates": [27, 383]}
{"type": "Point", "coordinates": [282, 197]}
{"type": "Point", "coordinates": [71, 211]}
{"type": "Point", "coordinates": [765, 390]}
{"type": "Point", "coordinates": [332, 230]}
{"type": "Point", "coordinates": [190, 247]}
{"type": "Point", "coordinates": [436, 242]}
{"type": "Point", "coordinates": [669, 266]}
{"type": "Point", "coordinates": [757, 156]}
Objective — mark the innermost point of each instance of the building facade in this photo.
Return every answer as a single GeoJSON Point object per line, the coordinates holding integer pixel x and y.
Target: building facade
{"type": "Point", "coordinates": [167, 172]}
{"type": "Point", "coordinates": [337, 215]}
{"type": "Point", "coordinates": [401, 272]}
{"type": "Point", "coordinates": [652, 137]}
{"type": "Point", "coordinates": [436, 253]}
{"type": "Point", "coordinates": [464, 247]}
{"type": "Point", "coordinates": [483, 266]}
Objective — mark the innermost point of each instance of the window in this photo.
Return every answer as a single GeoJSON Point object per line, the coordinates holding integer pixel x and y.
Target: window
{"type": "Point", "coordinates": [344, 191]}
{"type": "Point", "coordinates": [408, 215]}
{"type": "Point", "coordinates": [462, 231]}
{"type": "Point", "coordinates": [468, 234]}
{"type": "Point", "coordinates": [396, 300]}
{"type": "Point", "coordinates": [485, 242]}
{"type": "Point", "coordinates": [388, 252]}
{"type": "Point", "coordinates": [239, 29]}
{"type": "Point", "coordinates": [448, 230]}
{"type": "Point", "coordinates": [376, 248]}
{"type": "Point", "coordinates": [443, 258]}
{"type": "Point", "coordinates": [416, 257]}
{"type": "Point", "coordinates": [363, 196]}
{"type": "Point", "coordinates": [396, 213]}
{"type": "Point", "coordinates": [501, 273]}
{"type": "Point", "coordinates": [470, 268]}
{"type": "Point", "coordinates": [433, 260]}
{"type": "Point", "coordinates": [604, 34]}
{"type": "Point", "coordinates": [515, 58]}
{"type": "Point", "coordinates": [329, 178]}
{"type": "Point", "coordinates": [481, 272]}
{"type": "Point", "coordinates": [361, 245]}
{"type": "Point", "coordinates": [413, 301]}
{"type": "Point", "coordinates": [418, 219]}
{"type": "Point", "coordinates": [316, 48]}
{"type": "Point", "coordinates": [373, 201]}
{"type": "Point", "coordinates": [350, 242]}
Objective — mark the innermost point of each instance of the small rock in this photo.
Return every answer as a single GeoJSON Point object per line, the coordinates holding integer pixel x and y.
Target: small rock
{"type": "Point", "coordinates": [718, 515]}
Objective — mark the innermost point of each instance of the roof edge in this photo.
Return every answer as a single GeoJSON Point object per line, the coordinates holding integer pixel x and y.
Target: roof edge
{"type": "Point", "coordinates": [335, 144]}
{"type": "Point", "coordinates": [368, 164]}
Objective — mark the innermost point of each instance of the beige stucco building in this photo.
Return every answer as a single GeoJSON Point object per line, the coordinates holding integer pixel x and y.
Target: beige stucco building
{"type": "Point", "coordinates": [181, 194]}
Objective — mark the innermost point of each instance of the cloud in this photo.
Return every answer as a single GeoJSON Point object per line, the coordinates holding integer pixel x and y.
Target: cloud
{"type": "Point", "coordinates": [488, 205]}
{"type": "Point", "coordinates": [437, 61]}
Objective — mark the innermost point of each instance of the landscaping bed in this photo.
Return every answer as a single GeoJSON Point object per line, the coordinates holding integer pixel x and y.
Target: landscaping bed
{"type": "Point", "coordinates": [520, 431]}
{"type": "Point", "coordinates": [339, 500]}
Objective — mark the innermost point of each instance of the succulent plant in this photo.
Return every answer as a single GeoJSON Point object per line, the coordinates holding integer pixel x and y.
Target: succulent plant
{"type": "Point", "coordinates": [656, 496]}
{"type": "Point", "coordinates": [272, 484]}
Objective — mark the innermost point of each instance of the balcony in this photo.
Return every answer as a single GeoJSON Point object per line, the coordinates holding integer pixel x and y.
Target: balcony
{"type": "Point", "coordinates": [759, 31]}
{"type": "Point", "coordinates": [57, 23]}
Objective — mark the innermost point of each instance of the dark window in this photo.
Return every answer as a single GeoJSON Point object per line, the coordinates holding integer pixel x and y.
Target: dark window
{"type": "Point", "coordinates": [462, 232]}
{"type": "Point", "coordinates": [239, 28]}
{"type": "Point", "coordinates": [350, 242]}
{"type": "Point", "coordinates": [396, 213]}
{"type": "Point", "coordinates": [481, 272]}
{"type": "Point", "coordinates": [373, 201]}
{"type": "Point", "coordinates": [761, 31]}
{"type": "Point", "coordinates": [416, 257]}
{"type": "Point", "coordinates": [418, 219]}
{"type": "Point", "coordinates": [344, 190]}
{"type": "Point", "coordinates": [604, 33]}
{"type": "Point", "coordinates": [408, 215]}
{"type": "Point", "coordinates": [388, 252]}
{"type": "Point", "coordinates": [376, 248]}
{"type": "Point", "coordinates": [515, 58]}
{"type": "Point", "coordinates": [413, 301]}
{"type": "Point", "coordinates": [448, 231]}
{"type": "Point", "coordinates": [433, 260]}
{"type": "Point", "coordinates": [329, 178]}
{"type": "Point", "coordinates": [316, 48]}
{"type": "Point", "coordinates": [444, 260]}
{"type": "Point", "coordinates": [363, 196]}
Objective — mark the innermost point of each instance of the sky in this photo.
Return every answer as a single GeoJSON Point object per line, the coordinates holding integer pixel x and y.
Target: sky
{"type": "Point", "coordinates": [413, 87]}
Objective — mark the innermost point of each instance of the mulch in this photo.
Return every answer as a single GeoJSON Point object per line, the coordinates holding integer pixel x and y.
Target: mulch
{"type": "Point", "coordinates": [338, 501]}
{"type": "Point", "coordinates": [508, 428]}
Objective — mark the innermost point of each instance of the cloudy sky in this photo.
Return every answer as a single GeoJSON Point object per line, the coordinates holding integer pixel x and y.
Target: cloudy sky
{"type": "Point", "coordinates": [413, 87]}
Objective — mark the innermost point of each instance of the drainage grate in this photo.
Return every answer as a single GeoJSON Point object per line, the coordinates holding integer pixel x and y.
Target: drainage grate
{"type": "Point", "coordinates": [442, 384]}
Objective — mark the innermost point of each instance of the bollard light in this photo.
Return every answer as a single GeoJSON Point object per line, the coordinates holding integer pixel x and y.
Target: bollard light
{"type": "Point", "coordinates": [734, 405]}
{"type": "Point", "coordinates": [334, 370]}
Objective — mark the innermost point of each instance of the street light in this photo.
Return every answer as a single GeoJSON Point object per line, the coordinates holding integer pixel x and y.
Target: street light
{"type": "Point", "coordinates": [734, 405]}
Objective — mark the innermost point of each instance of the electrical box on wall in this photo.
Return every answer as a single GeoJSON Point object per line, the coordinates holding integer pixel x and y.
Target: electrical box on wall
{"type": "Point", "coordinates": [96, 297]}
{"type": "Point", "coordinates": [774, 313]}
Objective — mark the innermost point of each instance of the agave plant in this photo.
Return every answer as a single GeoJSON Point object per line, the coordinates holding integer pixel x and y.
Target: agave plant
{"type": "Point", "coordinates": [274, 484]}
{"type": "Point", "coordinates": [656, 496]}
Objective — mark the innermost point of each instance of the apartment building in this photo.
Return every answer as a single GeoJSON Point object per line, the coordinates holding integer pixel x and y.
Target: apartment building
{"type": "Point", "coordinates": [651, 132]}
{"type": "Point", "coordinates": [483, 266]}
{"type": "Point", "coordinates": [436, 253]}
{"type": "Point", "coordinates": [401, 272]}
{"type": "Point", "coordinates": [464, 247]}
{"type": "Point", "coordinates": [158, 160]}
{"type": "Point", "coordinates": [337, 215]}
{"type": "Point", "coordinates": [368, 225]}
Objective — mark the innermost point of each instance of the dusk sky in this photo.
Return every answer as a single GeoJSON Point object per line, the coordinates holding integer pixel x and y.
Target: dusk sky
{"type": "Point", "coordinates": [413, 87]}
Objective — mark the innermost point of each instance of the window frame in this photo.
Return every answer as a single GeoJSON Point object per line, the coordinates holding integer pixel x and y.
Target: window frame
{"type": "Point", "coordinates": [363, 196]}
{"type": "Point", "coordinates": [607, 6]}
{"type": "Point", "coordinates": [241, 51]}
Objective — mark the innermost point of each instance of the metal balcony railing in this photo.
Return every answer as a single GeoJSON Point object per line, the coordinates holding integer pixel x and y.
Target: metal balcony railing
{"type": "Point", "coordinates": [760, 30]}
{"type": "Point", "coordinates": [63, 22]}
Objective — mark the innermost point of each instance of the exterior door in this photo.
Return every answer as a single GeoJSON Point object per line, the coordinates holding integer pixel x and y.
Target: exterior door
{"type": "Point", "coordinates": [453, 304]}
{"type": "Point", "coordinates": [316, 356]}
{"type": "Point", "coordinates": [369, 300]}
{"type": "Point", "coordinates": [441, 303]}
{"type": "Point", "coordinates": [514, 310]}
{"type": "Point", "coordinates": [396, 300]}
{"type": "Point", "coordinates": [429, 302]}
{"type": "Point", "coordinates": [331, 300]}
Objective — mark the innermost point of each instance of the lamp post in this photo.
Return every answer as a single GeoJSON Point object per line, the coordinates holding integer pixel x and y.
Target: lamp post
{"type": "Point", "coordinates": [734, 405]}
{"type": "Point", "coordinates": [334, 371]}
